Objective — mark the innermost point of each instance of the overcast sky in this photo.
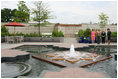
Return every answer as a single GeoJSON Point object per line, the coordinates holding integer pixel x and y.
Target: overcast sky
{"type": "Point", "coordinates": [75, 12]}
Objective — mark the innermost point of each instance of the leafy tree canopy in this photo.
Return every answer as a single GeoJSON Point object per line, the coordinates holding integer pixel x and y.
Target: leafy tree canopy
{"type": "Point", "coordinates": [103, 20]}
{"type": "Point", "coordinates": [23, 13]}
{"type": "Point", "coordinates": [81, 33]}
{"type": "Point", "coordinates": [7, 15]}
{"type": "Point", "coordinates": [4, 31]}
{"type": "Point", "coordinates": [41, 14]}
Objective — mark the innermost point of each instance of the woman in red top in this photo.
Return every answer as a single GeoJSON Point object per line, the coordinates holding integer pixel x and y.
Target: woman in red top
{"type": "Point", "coordinates": [93, 35]}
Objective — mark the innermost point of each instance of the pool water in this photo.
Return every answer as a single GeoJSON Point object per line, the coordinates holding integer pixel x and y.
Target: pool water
{"type": "Point", "coordinates": [38, 66]}
{"type": "Point", "coordinates": [107, 67]}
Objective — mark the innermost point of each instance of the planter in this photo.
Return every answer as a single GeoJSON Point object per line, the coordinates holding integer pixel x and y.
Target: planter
{"type": "Point", "coordinates": [81, 39]}
{"type": "Point", "coordinates": [2, 39]}
{"type": "Point", "coordinates": [113, 39]}
{"type": "Point", "coordinates": [85, 41]}
{"type": "Point", "coordinates": [43, 39]}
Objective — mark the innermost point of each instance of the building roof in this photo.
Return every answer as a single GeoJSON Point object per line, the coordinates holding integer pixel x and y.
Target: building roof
{"type": "Point", "coordinates": [70, 25]}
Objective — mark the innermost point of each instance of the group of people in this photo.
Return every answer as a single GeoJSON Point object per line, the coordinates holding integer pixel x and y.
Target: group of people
{"type": "Point", "coordinates": [100, 35]}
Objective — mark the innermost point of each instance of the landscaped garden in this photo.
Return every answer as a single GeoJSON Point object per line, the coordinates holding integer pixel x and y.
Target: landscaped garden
{"type": "Point", "coordinates": [85, 36]}
{"type": "Point", "coordinates": [42, 51]}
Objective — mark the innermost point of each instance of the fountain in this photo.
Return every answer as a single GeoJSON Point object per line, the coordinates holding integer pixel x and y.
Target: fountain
{"type": "Point", "coordinates": [72, 52]}
{"type": "Point", "coordinates": [72, 56]}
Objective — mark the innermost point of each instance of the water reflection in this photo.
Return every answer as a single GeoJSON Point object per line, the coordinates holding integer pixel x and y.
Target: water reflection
{"type": "Point", "coordinates": [108, 51]}
{"type": "Point", "coordinates": [101, 50]}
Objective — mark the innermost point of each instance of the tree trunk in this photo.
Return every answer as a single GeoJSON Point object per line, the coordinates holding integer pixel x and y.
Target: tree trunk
{"type": "Point", "coordinates": [39, 28]}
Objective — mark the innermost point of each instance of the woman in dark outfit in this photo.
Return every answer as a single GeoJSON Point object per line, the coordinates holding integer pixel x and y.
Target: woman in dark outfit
{"type": "Point", "coordinates": [98, 36]}
{"type": "Point", "coordinates": [109, 35]}
{"type": "Point", "coordinates": [103, 34]}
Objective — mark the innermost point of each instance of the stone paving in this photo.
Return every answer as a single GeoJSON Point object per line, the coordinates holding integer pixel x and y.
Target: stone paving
{"type": "Point", "coordinates": [70, 40]}
{"type": "Point", "coordinates": [65, 73]}
{"type": "Point", "coordinates": [74, 73]}
{"type": "Point", "coordinates": [12, 53]}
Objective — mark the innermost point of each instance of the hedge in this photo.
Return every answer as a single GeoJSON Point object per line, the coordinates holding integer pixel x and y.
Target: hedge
{"type": "Point", "coordinates": [113, 34]}
{"type": "Point", "coordinates": [55, 33]}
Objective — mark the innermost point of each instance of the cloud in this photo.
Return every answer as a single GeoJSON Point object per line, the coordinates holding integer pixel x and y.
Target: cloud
{"type": "Point", "coordinates": [75, 11]}
{"type": "Point", "coordinates": [9, 4]}
{"type": "Point", "coordinates": [78, 12]}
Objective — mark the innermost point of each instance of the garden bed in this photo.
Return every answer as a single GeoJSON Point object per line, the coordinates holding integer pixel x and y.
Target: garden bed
{"type": "Point", "coordinates": [2, 39]}
{"type": "Point", "coordinates": [43, 39]}
{"type": "Point", "coordinates": [113, 39]}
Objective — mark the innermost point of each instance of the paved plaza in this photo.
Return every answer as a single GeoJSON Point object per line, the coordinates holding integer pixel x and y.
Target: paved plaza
{"type": "Point", "coordinates": [73, 73]}
{"type": "Point", "coordinates": [64, 73]}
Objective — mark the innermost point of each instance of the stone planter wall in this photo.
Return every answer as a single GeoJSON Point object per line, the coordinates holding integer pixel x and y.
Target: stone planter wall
{"type": "Point", "coordinates": [2, 39]}
{"type": "Point", "coordinates": [50, 39]}
{"type": "Point", "coordinates": [43, 39]}
{"type": "Point", "coordinates": [113, 39]}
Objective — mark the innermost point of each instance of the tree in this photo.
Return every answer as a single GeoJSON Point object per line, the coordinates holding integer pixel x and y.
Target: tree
{"type": "Point", "coordinates": [60, 34]}
{"type": "Point", "coordinates": [87, 32]}
{"type": "Point", "coordinates": [55, 33]}
{"type": "Point", "coordinates": [4, 31]}
{"type": "Point", "coordinates": [23, 13]}
{"type": "Point", "coordinates": [81, 33]}
{"type": "Point", "coordinates": [103, 20]}
{"type": "Point", "coordinates": [41, 14]}
{"type": "Point", "coordinates": [7, 15]}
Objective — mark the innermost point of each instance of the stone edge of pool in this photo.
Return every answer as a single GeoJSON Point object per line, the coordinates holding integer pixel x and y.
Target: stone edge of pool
{"type": "Point", "coordinates": [22, 72]}
{"type": "Point", "coordinates": [17, 54]}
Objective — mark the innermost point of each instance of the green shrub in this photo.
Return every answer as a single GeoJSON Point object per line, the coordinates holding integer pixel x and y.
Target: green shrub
{"type": "Point", "coordinates": [4, 31]}
{"type": "Point", "coordinates": [32, 35]}
{"type": "Point", "coordinates": [12, 34]}
{"type": "Point", "coordinates": [87, 33]}
{"type": "Point", "coordinates": [26, 35]}
{"type": "Point", "coordinates": [81, 33]}
{"type": "Point", "coordinates": [60, 34]}
{"type": "Point", "coordinates": [113, 34]}
{"type": "Point", "coordinates": [96, 32]}
{"type": "Point", "coordinates": [19, 34]}
{"type": "Point", "coordinates": [3, 34]}
{"type": "Point", "coordinates": [55, 33]}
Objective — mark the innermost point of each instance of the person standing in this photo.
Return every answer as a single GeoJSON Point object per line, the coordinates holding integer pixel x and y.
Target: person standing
{"type": "Point", "coordinates": [93, 35]}
{"type": "Point", "coordinates": [98, 36]}
{"type": "Point", "coordinates": [103, 34]}
{"type": "Point", "coordinates": [109, 35]}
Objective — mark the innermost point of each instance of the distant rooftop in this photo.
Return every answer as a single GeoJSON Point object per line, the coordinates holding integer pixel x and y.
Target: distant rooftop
{"type": "Point", "coordinates": [69, 25]}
